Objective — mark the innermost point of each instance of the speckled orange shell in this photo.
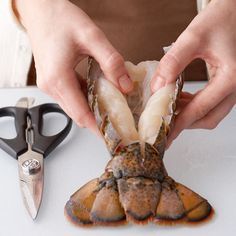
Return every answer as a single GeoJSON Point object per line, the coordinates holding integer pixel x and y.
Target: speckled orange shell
{"type": "Point", "coordinates": [135, 186]}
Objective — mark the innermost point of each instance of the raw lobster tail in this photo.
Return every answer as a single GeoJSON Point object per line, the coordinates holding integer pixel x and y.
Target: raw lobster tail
{"type": "Point", "coordinates": [135, 186]}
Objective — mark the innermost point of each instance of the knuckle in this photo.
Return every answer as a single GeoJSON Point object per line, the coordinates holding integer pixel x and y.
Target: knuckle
{"type": "Point", "coordinates": [91, 35]}
{"type": "Point", "coordinates": [194, 41]}
{"type": "Point", "coordinates": [193, 36]}
{"type": "Point", "coordinates": [49, 81]}
{"type": "Point", "coordinates": [168, 65]}
{"type": "Point", "coordinates": [113, 62]}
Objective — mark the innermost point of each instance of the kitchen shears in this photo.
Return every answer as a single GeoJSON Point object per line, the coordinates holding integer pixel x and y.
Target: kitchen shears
{"type": "Point", "coordinates": [30, 147]}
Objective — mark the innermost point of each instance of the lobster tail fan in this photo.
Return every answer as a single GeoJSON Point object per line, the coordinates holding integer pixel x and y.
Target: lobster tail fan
{"type": "Point", "coordinates": [196, 207]}
{"type": "Point", "coordinates": [139, 197]}
{"type": "Point", "coordinates": [79, 206]}
{"type": "Point", "coordinates": [178, 202]}
{"type": "Point", "coordinates": [107, 208]}
{"type": "Point", "coordinates": [135, 186]}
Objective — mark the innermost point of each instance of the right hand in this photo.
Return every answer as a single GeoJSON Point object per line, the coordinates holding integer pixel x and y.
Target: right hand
{"type": "Point", "coordinates": [211, 36]}
{"type": "Point", "coordinates": [61, 35]}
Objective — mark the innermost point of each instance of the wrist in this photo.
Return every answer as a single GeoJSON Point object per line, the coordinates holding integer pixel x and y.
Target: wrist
{"type": "Point", "coordinates": [28, 12]}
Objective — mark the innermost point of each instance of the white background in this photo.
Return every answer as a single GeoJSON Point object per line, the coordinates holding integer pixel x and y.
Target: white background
{"type": "Point", "coordinates": [202, 160]}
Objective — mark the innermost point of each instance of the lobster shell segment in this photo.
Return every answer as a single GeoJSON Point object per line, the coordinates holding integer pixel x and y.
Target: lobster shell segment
{"type": "Point", "coordinates": [135, 186]}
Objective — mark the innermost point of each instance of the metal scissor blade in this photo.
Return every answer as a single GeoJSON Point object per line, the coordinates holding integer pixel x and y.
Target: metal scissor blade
{"type": "Point", "coordinates": [31, 180]}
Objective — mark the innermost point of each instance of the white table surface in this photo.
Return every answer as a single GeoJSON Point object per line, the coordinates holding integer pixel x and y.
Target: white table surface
{"type": "Point", "coordinates": [203, 160]}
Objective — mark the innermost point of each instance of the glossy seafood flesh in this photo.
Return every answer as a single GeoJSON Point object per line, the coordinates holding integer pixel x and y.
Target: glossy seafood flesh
{"type": "Point", "coordinates": [135, 186]}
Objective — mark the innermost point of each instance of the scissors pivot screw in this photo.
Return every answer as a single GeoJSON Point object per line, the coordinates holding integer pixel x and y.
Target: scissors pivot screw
{"type": "Point", "coordinates": [31, 166]}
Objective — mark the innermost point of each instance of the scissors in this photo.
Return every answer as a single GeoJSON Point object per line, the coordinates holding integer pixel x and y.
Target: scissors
{"type": "Point", "coordinates": [30, 147]}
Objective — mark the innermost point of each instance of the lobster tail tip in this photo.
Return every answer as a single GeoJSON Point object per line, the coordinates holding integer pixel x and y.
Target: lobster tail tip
{"type": "Point", "coordinates": [78, 208]}
{"type": "Point", "coordinates": [76, 215]}
{"type": "Point", "coordinates": [169, 207]}
{"type": "Point", "coordinates": [196, 207]}
{"type": "Point", "coordinates": [200, 213]}
{"type": "Point", "coordinates": [107, 209]}
{"type": "Point", "coordinates": [138, 200]}
{"type": "Point", "coordinates": [139, 197]}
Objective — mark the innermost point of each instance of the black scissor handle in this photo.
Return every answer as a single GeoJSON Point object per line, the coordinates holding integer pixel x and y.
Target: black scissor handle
{"type": "Point", "coordinates": [46, 144]}
{"type": "Point", "coordinates": [17, 145]}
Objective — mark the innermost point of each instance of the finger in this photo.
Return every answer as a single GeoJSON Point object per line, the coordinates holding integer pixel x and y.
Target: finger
{"type": "Point", "coordinates": [181, 104]}
{"type": "Point", "coordinates": [73, 98]}
{"type": "Point", "coordinates": [213, 118]}
{"type": "Point", "coordinates": [203, 102]}
{"type": "Point", "coordinates": [111, 62]}
{"type": "Point", "coordinates": [83, 83]}
{"type": "Point", "coordinates": [183, 101]}
{"type": "Point", "coordinates": [92, 128]}
{"type": "Point", "coordinates": [186, 95]}
{"type": "Point", "coordinates": [66, 89]}
{"type": "Point", "coordinates": [183, 51]}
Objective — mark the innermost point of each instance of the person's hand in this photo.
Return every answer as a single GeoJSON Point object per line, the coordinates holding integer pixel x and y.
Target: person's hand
{"type": "Point", "coordinates": [212, 37]}
{"type": "Point", "coordinates": [61, 35]}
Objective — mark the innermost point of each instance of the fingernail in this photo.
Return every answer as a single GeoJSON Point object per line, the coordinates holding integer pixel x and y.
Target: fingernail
{"type": "Point", "coordinates": [159, 83]}
{"type": "Point", "coordinates": [125, 83]}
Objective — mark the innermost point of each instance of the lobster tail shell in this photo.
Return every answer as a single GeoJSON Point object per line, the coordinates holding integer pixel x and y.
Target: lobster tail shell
{"type": "Point", "coordinates": [111, 136]}
{"type": "Point", "coordinates": [135, 186]}
{"type": "Point", "coordinates": [104, 124]}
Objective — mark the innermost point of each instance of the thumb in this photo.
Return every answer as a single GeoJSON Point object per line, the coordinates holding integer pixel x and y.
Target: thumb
{"type": "Point", "coordinates": [111, 62]}
{"type": "Point", "coordinates": [183, 51]}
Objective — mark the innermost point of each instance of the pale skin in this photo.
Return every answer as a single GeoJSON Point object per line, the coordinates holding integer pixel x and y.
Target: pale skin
{"type": "Point", "coordinates": [212, 37]}
{"type": "Point", "coordinates": [61, 35]}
